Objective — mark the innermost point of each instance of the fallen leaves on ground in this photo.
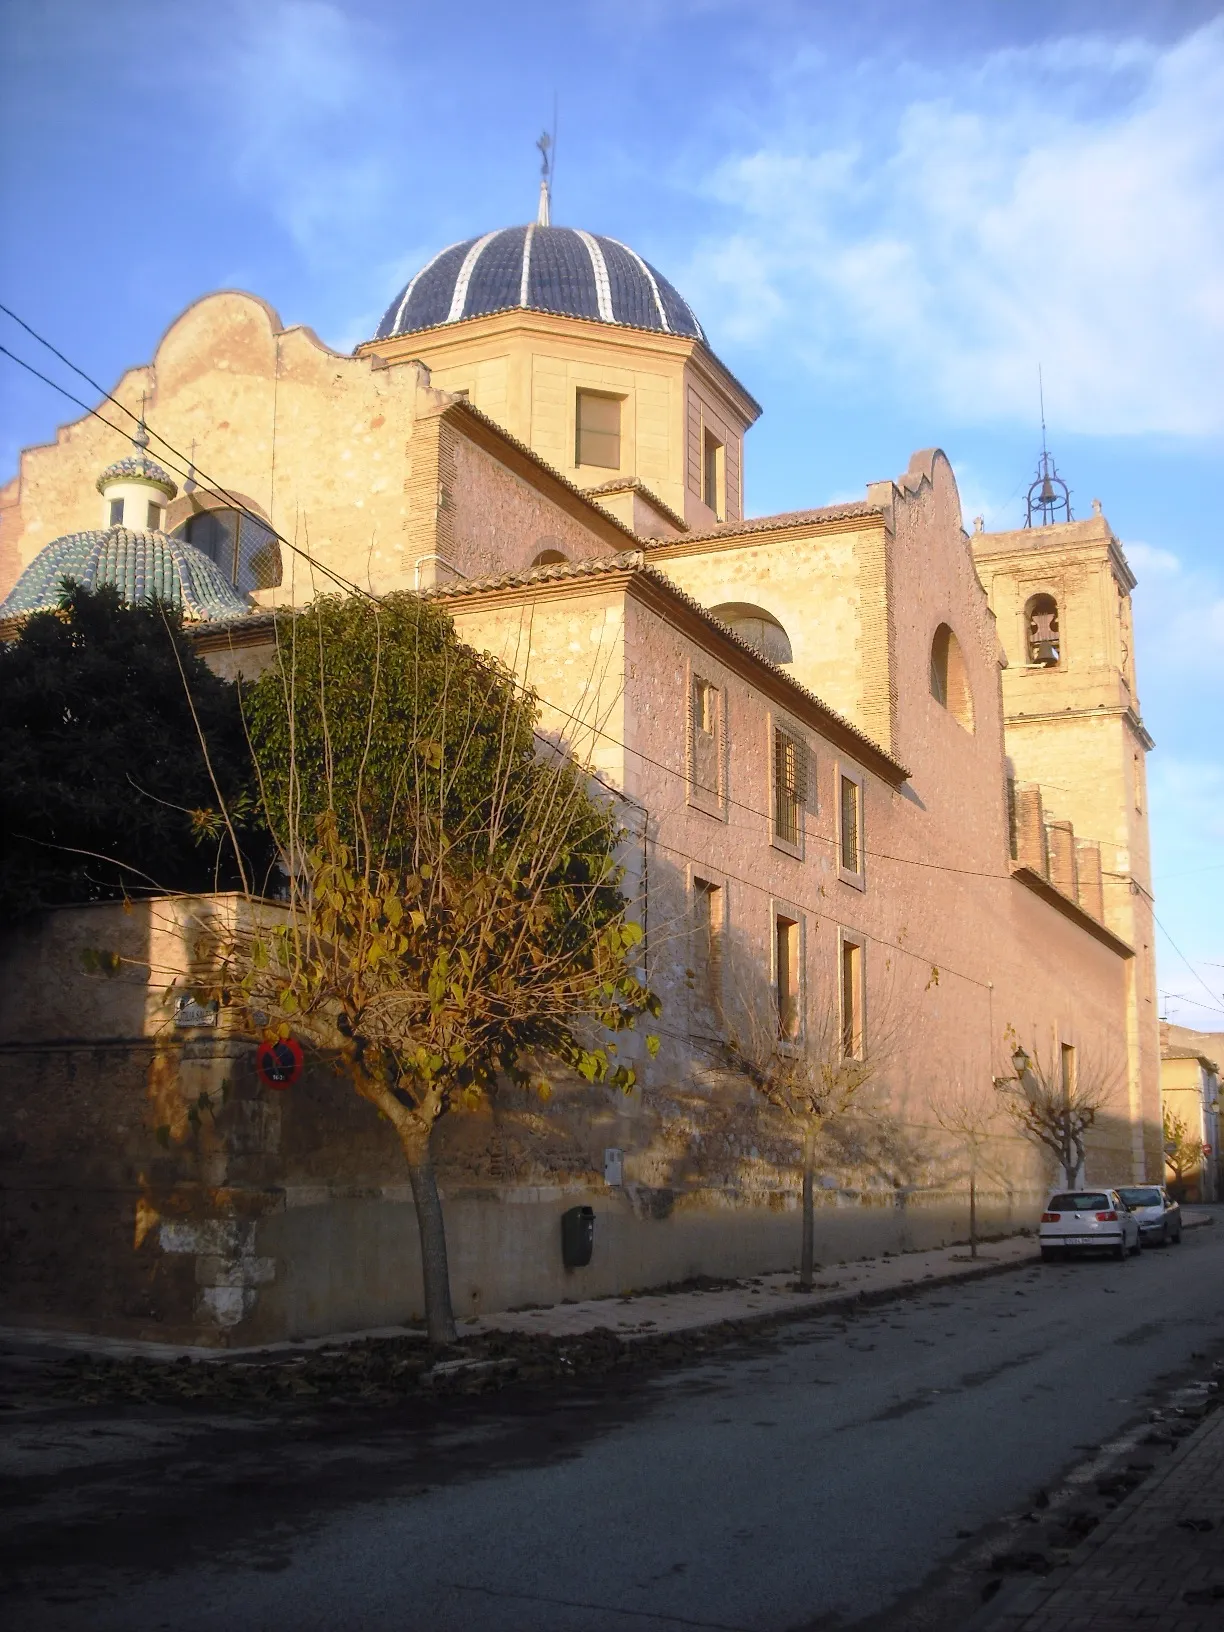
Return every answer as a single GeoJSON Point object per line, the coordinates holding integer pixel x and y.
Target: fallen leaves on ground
{"type": "Point", "coordinates": [383, 1369]}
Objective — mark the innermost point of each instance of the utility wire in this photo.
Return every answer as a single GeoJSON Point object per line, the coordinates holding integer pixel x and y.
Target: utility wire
{"type": "Point", "coordinates": [356, 589]}
{"type": "Point", "coordinates": [185, 466]}
{"type": "Point", "coordinates": [1215, 996]}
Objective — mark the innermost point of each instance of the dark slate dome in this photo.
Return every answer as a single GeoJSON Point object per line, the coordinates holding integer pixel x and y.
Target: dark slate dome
{"type": "Point", "coordinates": [139, 565]}
{"type": "Point", "coordinates": [540, 269]}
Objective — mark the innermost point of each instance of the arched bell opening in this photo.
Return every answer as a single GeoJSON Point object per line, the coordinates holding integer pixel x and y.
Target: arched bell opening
{"type": "Point", "coordinates": [1043, 644]}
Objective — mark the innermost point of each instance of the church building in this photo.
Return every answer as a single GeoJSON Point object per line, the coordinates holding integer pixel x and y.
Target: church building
{"type": "Point", "coordinates": [875, 771]}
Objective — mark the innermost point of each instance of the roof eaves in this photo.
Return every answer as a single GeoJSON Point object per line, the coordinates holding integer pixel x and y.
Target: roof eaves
{"type": "Point", "coordinates": [787, 521]}
{"type": "Point", "coordinates": [633, 562]}
{"type": "Point", "coordinates": [462, 406]}
{"type": "Point", "coordinates": [635, 484]}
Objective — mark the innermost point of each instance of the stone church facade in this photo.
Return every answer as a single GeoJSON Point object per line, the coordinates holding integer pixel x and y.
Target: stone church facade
{"type": "Point", "coordinates": [877, 774]}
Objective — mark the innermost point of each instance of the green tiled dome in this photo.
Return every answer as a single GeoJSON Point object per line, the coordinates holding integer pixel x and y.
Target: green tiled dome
{"type": "Point", "coordinates": [138, 467]}
{"type": "Point", "coordinates": [139, 565]}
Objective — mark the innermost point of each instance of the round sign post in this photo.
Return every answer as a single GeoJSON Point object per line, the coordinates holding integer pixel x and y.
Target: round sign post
{"type": "Point", "coordinates": [279, 1064]}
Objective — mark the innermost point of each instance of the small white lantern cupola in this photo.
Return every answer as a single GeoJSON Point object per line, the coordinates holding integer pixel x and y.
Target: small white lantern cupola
{"type": "Point", "coordinates": [135, 490]}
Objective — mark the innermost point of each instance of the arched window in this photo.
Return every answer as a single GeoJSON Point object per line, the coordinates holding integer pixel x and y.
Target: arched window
{"type": "Point", "coordinates": [549, 558]}
{"type": "Point", "coordinates": [758, 627]}
{"type": "Point", "coordinates": [241, 545]}
{"type": "Point", "coordinates": [949, 677]}
{"type": "Point", "coordinates": [1043, 648]}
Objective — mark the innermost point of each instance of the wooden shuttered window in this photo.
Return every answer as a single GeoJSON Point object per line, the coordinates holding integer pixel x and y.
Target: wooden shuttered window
{"type": "Point", "coordinates": [851, 826]}
{"type": "Point", "coordinates": [790, 775]}
{"type": "Point", "coordinates": [598, 421]}
{"type": "Point", "coordinates": [705, 738]}
{"type": "Point", "coordinates": [707, 954]}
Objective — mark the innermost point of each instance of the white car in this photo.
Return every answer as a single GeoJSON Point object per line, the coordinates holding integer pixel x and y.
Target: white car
{"type": "Point", "coordinates": [1087, 1221]}
{"type": "Point", "coordinates": [1158, 1214]}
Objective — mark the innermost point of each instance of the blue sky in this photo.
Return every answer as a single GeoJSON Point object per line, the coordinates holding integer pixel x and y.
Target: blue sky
{"type": "Point", "coordinates": [885, 215]}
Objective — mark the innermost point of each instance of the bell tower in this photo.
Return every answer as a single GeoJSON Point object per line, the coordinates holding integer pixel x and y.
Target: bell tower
{"type": "Point", "coordinates": [1060, 590]}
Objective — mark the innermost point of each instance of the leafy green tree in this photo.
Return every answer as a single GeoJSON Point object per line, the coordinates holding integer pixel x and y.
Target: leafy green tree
{"type": "Point", "coordinates": [455, 913]}
{"type": "Point", "coordinates": [1183, 1154]}
{"type": "Point", "coordinates": [106, 787]}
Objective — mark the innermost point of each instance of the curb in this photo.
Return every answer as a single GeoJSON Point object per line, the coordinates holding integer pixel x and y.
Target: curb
{"type": "Point", "coordinates": [1019, 1599]}
{"type": "Point", "coordinates": [94, 1343]}
{"type": "Point", "coordinates": [843, 1303]}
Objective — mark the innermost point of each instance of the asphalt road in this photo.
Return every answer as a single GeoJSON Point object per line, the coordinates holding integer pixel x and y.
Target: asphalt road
{"type": "Point", "coordinates": [805, 1481]}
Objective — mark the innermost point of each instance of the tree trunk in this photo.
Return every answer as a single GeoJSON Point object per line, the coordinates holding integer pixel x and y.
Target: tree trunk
{"type": "Point", "coordinates": [973, 1235]}
{"type": "Point", "coordinates": [807, 1265]}
{"type": "Point", "coordinates": [435, 1272]}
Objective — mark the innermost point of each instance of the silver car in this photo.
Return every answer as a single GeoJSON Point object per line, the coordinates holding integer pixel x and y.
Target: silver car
{"type": "Point", "coordinates": [1158, 1214]}
{"type": "Point", "coordinates": [1087, 1221]}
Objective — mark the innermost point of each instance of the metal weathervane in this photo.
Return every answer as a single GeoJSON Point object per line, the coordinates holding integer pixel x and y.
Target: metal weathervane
{"type": "Point", "coordinates": [1048, 493]}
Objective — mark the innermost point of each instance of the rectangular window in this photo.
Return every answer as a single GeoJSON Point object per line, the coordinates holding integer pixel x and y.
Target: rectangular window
{"type": "Point", "coordinates": [705, 738]}
{"type": "Point", "coordinates": [851, 1000]}
{"type": "Point", "coordinates": [1138, 785]}
{"type": "Point", "coordinates": [713, 474]}
{"type": "Point", "coordinates": [786, 959]}
{"type": "Point", "coordinates": [707, 951]}
{"type": "Point", "coordinates": [599, 431]}
{"type": "Point", "coordinates": [1013, 831]}
{"type": "Point", "coordinates": [790, 775]}
{"type": "Point", "coordinates": [116, 512]}
{"type": "Point", "coordinates": [851, 825]}
{"type": "Point", "coordinates": [155, 515]}
{"type": "Point", "coordinates": [1067, 1062]}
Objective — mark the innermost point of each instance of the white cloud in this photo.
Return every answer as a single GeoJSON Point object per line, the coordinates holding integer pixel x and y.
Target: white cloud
{"type": "Point", "coordinates": [1187, 815]}
{"type": "Point", "coordinates": [1063, 204]}
{"type": "Point", "coordinates": [1179, 619]}
{"type": "Point", "coordinates": [311, 121]}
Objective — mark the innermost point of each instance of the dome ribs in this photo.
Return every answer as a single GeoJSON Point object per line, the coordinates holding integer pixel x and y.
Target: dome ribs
{"type": "Point", "coordinates": [547, 269]}
{"type": "Point", "coordinates": [496, 279]}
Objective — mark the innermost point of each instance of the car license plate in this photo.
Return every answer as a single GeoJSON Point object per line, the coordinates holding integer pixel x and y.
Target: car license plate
{"type": "Point", "coordinates": [1081, 1240]}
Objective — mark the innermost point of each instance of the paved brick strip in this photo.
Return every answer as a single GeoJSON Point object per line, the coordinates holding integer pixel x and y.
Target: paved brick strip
{"type": "Point", "coordinates": [1157, 1561]}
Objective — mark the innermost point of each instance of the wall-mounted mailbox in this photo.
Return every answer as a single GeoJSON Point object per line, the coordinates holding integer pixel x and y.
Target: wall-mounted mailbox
{"type": "Point", "coordinates": [577, 1237]}
{"type": "Point", "coordinates": [614, 1165]}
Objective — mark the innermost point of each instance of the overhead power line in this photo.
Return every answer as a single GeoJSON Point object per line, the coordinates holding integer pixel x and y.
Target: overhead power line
{"type": "Point", "coordinates": [186, 465]}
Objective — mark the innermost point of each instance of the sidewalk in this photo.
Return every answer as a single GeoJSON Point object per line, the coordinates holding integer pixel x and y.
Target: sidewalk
{"type": "Point", "coordinates": [1157, 1561]}
{"type": "Point", "coordinates": [764, 1297]}
{"type": "Point", "coordinates": [639, 1315]}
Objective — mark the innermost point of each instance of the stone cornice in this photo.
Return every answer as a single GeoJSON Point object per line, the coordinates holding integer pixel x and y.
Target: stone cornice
{"type": "Point", "coordinates": [407, 347]}
{"type": "Point", "coordinates": [1126, 712]}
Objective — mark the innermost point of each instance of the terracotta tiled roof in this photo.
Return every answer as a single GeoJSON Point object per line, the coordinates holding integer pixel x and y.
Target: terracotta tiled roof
{"type": "Point", "coordinates": [634, 561]}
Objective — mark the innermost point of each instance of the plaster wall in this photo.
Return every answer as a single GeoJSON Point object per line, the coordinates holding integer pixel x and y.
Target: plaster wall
{"type": "Point", "coordinates": [524, 369]}
{"type": "Point", "coordinates": [811, 580]}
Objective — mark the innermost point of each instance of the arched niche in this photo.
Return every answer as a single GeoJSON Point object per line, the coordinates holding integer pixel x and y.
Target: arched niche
{"type": "Point", "coordinates": [549, 558]}
{"type": "Point", "coordinates": [1042, 639]}
{"type": "Point", "coordinates": [758, 627]}
{"type": "Point", "coordinates": [231, 530]}
{"type": "Point", "coordinates": [950, 678]}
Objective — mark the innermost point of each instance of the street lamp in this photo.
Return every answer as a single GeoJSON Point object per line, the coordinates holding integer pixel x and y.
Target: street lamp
{"type": "Point", "coordinates": [1020, 1060]}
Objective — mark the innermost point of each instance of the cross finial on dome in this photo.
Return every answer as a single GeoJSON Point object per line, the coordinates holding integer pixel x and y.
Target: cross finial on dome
{"type": "Point", "coordinates": [544, 210]}
{"type": "Point", "coordinates": [141, 438]}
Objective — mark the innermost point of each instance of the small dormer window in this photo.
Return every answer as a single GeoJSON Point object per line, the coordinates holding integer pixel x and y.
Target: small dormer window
{"type": "Point", "coordinates": [116, 512]}
{"type": "Point", "coordinates": [155, 517]}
